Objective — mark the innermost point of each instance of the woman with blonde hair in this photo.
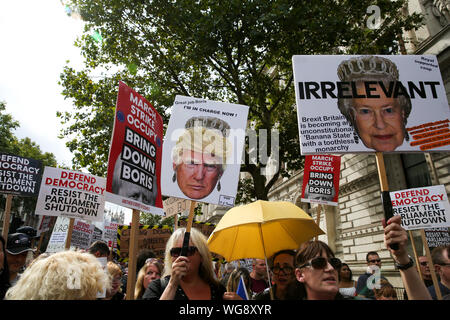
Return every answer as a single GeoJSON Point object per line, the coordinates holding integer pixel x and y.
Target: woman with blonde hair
{"type": "Point", "coordinates": [150, 271]}
{"type": "Point", "coordinates": [189, 277]}
{"type": "Point", "coordinates": [115, 274]}
{"type": "Point", "coordinates": [233, 284]}
{"type": "Point", "coordinates": [66, 275]}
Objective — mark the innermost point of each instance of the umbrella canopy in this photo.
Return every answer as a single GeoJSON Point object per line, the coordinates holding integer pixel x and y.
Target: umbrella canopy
{"type": "Point", "coordinates": [260, 229]}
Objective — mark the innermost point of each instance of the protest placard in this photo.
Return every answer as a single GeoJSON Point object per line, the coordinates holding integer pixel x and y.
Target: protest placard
{"type": "Point", "coordinates": [58, 238]}
{"type": "Point", "coordinates": [134, 163]}
{"type": "Point", "coordinates": [44, 224]}
{"type": "Point", "coordinates": [151, 237]}
{"type": "Point", "coordinates": [82, 234]}
{"type": "Point", "coordinates": [437, 237]}
{"type": "Point", "coordinates": [204, 227]}
{"type": "Point", "coordinates": [110, 233]}
{"type": "Point", "coordinates": [321, 179]}
{"type": "Point", "coordinates": [71, 194]}
{"type": "Point", "coordinates": [351, 104]}
{"type": "Point", "coordinates": [98, 234]}
{"type": "Point", "coordinates": [205, 138]}
{"type": "Point", "coordinates": [20, 176]}
{"type": "Point", "coordinates": [173, 206]}
{"type": "Point", "coordinates": [422, 208]}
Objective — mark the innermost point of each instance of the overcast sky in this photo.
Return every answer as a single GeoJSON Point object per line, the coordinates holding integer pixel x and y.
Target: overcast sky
{"type": "Point", "coordinates": [37, 38]}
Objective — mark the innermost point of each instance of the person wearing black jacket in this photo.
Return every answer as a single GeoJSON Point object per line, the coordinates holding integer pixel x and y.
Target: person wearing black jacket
{"type": "Point", "coordinates": [4, 271]}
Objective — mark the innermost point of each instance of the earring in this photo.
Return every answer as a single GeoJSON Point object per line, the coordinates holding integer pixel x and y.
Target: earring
{"type": "Point", "coordinates": [174, 178]}
{"type": "Point", "coordinates": [218, 186]}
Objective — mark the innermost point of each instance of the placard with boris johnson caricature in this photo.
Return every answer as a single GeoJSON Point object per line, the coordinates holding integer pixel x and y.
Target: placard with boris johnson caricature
{"type": "Point", "coordinates": [203, 149]}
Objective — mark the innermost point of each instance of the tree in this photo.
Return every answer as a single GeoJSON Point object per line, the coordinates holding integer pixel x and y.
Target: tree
{"type": "Point", "coordinates": [230, 50]}
{"type": "Point", "coordinates": [25, 147]}
{"type": "Point", "coordinates": [8, 140]}
{"type": "Point", "coordinates": [154, 219]}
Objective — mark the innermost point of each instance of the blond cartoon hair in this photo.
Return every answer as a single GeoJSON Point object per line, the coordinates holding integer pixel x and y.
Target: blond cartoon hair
{"type": "Point", "coordinates": [204, 135]}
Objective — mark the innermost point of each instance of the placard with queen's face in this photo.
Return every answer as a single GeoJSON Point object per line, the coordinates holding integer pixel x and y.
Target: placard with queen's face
{"type": "Point", "coordinates": [352, 104]}
{"type": "Point", "coordinates": [202, 150]}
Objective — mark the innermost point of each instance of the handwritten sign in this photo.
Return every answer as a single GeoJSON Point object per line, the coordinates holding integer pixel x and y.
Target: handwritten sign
{"type": "Point", "coordinates": [149, 237]}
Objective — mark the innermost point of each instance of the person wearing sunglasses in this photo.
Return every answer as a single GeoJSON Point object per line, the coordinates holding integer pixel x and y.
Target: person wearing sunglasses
{"type": "Point", "coordinates": [282, 266]}
{"type": "Point", "coordinates": [363, 284]}
{"type": "Point", "coordinates": [317, 270]}
{"type": "Point", "coordinates": [189, 277]}
{"type": "Point", "coordinates": [426, 273]}
{"type": "Point", "coordinates": [317, 267]}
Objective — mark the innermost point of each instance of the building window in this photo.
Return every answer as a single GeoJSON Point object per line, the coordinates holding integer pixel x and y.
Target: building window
{"type": "Point", "coordinates": [416, 170]}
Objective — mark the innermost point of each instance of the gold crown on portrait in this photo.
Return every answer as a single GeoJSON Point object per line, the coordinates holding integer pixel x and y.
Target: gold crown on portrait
{"type": "Point", "coordinates": [209, 123]}
{"type": "Point", "coordinates": [367, 65]}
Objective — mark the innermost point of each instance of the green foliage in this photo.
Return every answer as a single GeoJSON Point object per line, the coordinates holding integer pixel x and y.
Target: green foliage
{"type": "Point", "coordinates": [25, 147]}
{"type": "Point", "coordinates": [230, 50]}
{"type": "Point", "coordinates": [154, 219]}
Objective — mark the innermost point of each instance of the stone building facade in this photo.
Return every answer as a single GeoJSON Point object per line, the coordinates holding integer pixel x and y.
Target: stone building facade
{"type": "Point", "coordinates": [354, 228]}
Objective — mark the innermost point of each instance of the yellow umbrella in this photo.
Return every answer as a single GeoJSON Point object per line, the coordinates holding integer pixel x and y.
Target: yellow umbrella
{"type": "Point", "coordinates": [260, 229]}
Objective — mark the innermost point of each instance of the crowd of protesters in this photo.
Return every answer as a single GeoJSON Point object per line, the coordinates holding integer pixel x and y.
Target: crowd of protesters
{"type": "Point", "coordinates": [312, 272]}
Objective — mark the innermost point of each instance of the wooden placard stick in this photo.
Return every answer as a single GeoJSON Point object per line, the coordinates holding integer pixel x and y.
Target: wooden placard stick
{"type": "Point", "coordinates": [416, 257]}
{"type": "Point", "coordinates": [7, 216]}
{"type": "Point", "coordinates": [187, 234]}
{"type": "Point", "coordinates": [319, 209]}
{"type": "Point", "coordinates": [132, 255]}
{"type": "Point", "coordinates": [41, 238]}
{"type": "Point", "coordinates": [431, 265]}
{"type": "Point", "coordinates": [385, 196]}
{"type": "Point", "coordinates": [69, 233]}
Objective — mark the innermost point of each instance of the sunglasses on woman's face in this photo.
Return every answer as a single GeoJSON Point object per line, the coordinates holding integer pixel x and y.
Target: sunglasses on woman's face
{"type": "Point", "coordinates": [175, 252]}
{"type": "Point", "coordinates": [322, 263]}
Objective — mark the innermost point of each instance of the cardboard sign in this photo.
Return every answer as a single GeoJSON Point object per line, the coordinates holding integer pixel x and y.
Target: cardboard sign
{"type": "Point", "coordinates": [134, 163]}
{"type": "Point", "coordinates": [321, 179]}
{"type": "Point", "coordinates": [422, 208]}
{"type": "Point", "coordinates": [203, 150]}
{"type": "Point", "coordinates": [173, 206]}
{"type": "Point", "coordinates": [150, 237]}
{"type": "Point", "coordinates": [437, 237]}
{"type": "Point", "coordinates": [20, 176]}
{"type": "Point", "coordinates": [352, 104]}
{"type": "Point", "coordinates": [71, 194]}
{"type": "Point", "coordinates": [204, 227]}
